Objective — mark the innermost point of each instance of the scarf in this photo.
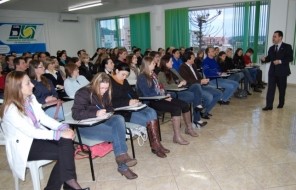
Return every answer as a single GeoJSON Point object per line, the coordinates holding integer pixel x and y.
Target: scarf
{"type": "Point", "coordinates": [30, 113]}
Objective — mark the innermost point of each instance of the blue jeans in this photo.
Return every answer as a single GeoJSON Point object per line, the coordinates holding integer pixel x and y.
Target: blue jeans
{"type": "Point", "coordinates": [229, 86]}
{"type": "Point", "coordinates": [253, 72]}
{"type": "Point", "coordinates": [210, 96]}
{"type": "Point", "coordinates": [112, 130]}
{"type": "Point", "coordinates": [192, 95]}
{"type": "Point", "coordinates": [142, 117]}
{"type": "Point", "coordinates": [236, 77]}
{"type": "Point", "coordinates": [51, 111]}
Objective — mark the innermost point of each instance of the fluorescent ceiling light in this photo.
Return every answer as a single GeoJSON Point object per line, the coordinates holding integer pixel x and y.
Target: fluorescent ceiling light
{"type": "Point", "coordinates": [85, 5]}
{"type": "Point", "coordinates": [3, 1]}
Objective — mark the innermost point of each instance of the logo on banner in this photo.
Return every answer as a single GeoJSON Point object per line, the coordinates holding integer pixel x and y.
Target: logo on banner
{"type": "Point", "coordinates": [22, 32]}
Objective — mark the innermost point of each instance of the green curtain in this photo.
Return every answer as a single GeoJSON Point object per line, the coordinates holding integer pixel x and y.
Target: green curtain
{"type": "Point", "coordinates": [250, 26]}
{"type": "Point", "coordinates": [177, 28]}
{"type": "Point", "coordinates": [140, 30]}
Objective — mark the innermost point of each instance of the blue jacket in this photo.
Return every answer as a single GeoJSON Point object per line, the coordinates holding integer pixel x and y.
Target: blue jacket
{"type": "Point", "coordinates": [41, 92]}
{"type": "Point", "coordinates": [210, 67]}
{"type": "Point", "coordinates": [144, 89]}
{"type": "Point", "coordinates": [177, 63]}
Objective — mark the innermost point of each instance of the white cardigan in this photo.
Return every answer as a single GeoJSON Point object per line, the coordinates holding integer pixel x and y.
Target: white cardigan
{"type": "Point", "coordinates": [19, 132]}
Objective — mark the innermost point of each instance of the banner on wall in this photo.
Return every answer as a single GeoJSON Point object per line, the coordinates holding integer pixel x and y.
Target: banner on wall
{"type": "Point", "coordinates": [19, 38]}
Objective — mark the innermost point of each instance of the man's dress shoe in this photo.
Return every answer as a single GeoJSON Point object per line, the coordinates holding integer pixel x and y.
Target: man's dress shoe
{"type": "Point", "coordinates": [266, 108]}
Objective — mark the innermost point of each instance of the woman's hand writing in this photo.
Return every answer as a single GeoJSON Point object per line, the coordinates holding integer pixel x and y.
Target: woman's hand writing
{"type": "Point", "coordinates": [101, 112]}
{"type": "Point", "coordinates": [133, 102]}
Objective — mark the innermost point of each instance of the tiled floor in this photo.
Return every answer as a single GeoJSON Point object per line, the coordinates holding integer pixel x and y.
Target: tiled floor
{"type": "Point", "coordinates": [240, 148]}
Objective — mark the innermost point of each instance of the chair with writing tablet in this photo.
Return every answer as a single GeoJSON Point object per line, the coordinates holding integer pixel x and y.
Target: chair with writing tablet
{"type": "Point", "coordinates": [80, 140]}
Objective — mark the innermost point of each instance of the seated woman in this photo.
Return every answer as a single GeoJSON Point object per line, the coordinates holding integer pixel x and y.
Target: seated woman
{"type": "Point", "coordinates": [171, 79]}
{"type": "Point", "coordinates": [123, 95]}
{"type": "Point", "coordinates": [44, 90]}
{"type": "Point", "coordinates": [131, 60]}
{"type": "Point", "coordinates": [54, 76]}
{"type": "Point", "coordinates": [107, 66]}
{"type": "Point", "coordinates": [39, 136]}
{"type": "Point", "coordinates": [94, 100]}
{"type": "Point", "coordinates": [224, 68]}
{"type": "Point", "coordinates": [148, 86]}
{"type": "Point", "coordinates": [74, 81]}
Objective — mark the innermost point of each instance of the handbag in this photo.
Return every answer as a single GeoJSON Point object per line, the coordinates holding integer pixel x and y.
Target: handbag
{"type": "Point", "coordinates": [97, 150]}
{"type": "Point", "coordinates": [137, 131]}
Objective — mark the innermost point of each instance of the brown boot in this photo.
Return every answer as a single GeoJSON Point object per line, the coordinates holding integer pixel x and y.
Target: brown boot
{"type": "Point", "coordinates": [126, 159]}
{"type": "Point", "coordinates": [176, 120]}
{"type": "Point", "coordinates": [129, 174]}
{"type": "Point", "coordinates": [188, 129]}
{"type": "Point", "coordinates": [155, 122]}
{"type": "Point", "coordinates": [153, 135]}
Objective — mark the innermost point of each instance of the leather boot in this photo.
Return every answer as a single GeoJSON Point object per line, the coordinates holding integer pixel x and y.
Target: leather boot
{"type": "Point", "coordinates": [176, 120]}
{"type": "Point", "coordinates": [188, 129]}
{"type": "Point", "coordinates": [153, 135]}
{"type": "Point", "coordinates": [129, 174]}
{"type": "Point", "coordinates": [126, 159]}
{"type": "Point", "coordinates": [155, 122]}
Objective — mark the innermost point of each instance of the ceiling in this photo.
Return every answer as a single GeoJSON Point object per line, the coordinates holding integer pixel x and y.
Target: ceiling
{"type": "Point", "coordinates": [61, 6]}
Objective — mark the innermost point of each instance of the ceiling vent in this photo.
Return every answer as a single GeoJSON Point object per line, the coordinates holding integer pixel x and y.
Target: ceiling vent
{"type": "Point", "coordinates": [69, 18]}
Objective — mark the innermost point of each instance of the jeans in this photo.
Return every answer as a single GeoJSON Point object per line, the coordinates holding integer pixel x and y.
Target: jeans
{"type": "Point", "coordinates": [236, 77]}
{"type": "Point", "coordinates": [253, 72]}
{"type": "Point", "coordinates": [192, 95]}
{"type": "Point", "coordinates": [112, 130]}
{"type": "Point", "coordinates": [229, 86]}
{"type": "Point", "coordinates": [210, 96]}
{"type": "Point", "coordinates": [142, 117]}
{"type": "Point", "coordinates": [51, 111]}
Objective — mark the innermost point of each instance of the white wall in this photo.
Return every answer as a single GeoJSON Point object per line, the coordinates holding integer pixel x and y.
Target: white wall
{"type": "Point", "coordinates": [59, 35]}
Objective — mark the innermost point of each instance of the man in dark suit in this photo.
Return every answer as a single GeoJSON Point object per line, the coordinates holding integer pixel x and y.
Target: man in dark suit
{"type": "Point", "coordinates": [279, 56]}
{"type": "Point", "coordinates": [210, 95]}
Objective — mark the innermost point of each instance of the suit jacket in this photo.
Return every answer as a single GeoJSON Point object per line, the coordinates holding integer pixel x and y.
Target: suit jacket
{"type": "Point", "coordinates": [19, 132]}
{"type": "Point", "coordinates": [187, 74]}
{"type": "Point", "coordinates": [285, 54]}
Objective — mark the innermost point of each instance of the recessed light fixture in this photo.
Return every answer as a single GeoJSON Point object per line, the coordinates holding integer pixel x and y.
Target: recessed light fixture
{"type": "Point", "coordinates": [85, 5]}
{"type": "Point", "coordinates": [3, 1]}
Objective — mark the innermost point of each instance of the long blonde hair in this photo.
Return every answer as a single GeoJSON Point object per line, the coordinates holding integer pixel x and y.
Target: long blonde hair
{"type": "Point", "coordinates": [144, 69]}
{"type": "Point", "coordinates": [95, 83]}
{"type": "Point", "coordinates": [13, 93]}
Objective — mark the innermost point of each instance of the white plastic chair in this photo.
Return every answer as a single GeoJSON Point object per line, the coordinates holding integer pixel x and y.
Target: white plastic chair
{"type": "Point", "coordinates": [36, 173]}
{"type": "Point", "coordinates": [34, 166]}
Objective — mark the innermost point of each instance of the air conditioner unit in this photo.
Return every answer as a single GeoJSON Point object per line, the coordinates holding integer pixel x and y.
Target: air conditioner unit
{"type": "Point", "coordinates": [69, 18]}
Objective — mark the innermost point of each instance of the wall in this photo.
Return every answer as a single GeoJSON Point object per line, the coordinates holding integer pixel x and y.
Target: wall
{"type": "Point", "coordinates": [59, 35]}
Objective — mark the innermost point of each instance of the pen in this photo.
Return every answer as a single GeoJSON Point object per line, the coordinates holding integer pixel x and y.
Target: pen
{"type": "Point", "coordinates": [129, 96]}
{"type": "Point", "coordinates": [98, 107]}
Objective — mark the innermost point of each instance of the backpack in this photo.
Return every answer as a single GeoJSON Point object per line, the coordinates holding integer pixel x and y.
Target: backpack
{"type": "Point", "coordinates": [240, 93]}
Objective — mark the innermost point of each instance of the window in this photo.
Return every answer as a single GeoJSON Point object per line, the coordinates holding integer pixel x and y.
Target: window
{"type": "Point", "coordinates": [114, 32]}
{"type": "Point", "coordinates": [241, 25]}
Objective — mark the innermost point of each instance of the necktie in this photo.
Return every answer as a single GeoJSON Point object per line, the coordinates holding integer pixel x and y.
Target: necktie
{"type": "Point", "coordinates": [276, 49]}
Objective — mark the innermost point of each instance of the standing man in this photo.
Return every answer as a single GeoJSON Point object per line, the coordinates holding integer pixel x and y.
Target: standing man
{"type": "Point", "coordinates": [279, 56]}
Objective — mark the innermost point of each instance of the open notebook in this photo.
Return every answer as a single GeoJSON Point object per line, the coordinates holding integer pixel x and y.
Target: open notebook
{"type": "Point", "coordinates": [131, 108]}
{"type": "Point", "coordinates": [89, 121]}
